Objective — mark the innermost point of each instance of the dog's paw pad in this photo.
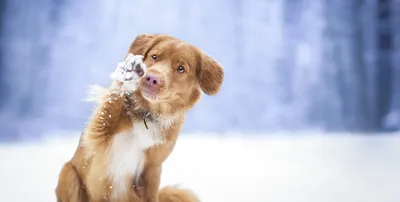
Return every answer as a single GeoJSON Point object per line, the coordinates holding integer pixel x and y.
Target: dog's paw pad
{"type": "Point", "coordinates": [129, 72]}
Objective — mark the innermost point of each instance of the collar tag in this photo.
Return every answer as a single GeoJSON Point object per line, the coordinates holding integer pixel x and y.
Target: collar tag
{"type": "Point", "coordinates": [145, 123]}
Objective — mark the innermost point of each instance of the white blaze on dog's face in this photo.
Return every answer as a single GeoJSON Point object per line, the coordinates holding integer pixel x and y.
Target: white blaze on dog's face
{"type": "Point", "coordinates": [176, 71]}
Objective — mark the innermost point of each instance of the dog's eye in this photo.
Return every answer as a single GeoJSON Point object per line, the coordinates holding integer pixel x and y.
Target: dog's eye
{"type": "Point", "coordinates": [154, 57]}
{"type": "Point", "coordinates": [181, 69]}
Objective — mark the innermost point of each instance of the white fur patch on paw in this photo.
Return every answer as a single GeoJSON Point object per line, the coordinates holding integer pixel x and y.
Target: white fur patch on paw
{"type": "Point", "coordinates": [129, 72]}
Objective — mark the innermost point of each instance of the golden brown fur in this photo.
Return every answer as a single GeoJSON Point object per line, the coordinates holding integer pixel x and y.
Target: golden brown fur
{"type": "Point", "coordinates": [84, 177]}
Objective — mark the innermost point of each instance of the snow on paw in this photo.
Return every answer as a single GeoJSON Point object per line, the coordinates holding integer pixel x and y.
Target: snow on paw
{"type": "Point", "coordinates": [129, 72]}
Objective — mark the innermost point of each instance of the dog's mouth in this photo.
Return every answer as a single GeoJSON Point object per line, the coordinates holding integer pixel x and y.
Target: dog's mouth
{"type": "Point", "coordinates": [150, 94]}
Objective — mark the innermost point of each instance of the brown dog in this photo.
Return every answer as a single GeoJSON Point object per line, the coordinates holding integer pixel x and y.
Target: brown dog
{"type": "Point", "coordinates": [137, 122]}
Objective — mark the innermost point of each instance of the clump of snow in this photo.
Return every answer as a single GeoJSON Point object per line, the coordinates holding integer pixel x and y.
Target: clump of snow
{"type": "Point", "coordinates": [129, 72]}
{"type": "Point", "coordinates": [311, 168]}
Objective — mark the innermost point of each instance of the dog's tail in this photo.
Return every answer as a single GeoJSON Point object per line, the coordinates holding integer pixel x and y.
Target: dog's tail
{"type": "Point", "coordinates": [176, 194]}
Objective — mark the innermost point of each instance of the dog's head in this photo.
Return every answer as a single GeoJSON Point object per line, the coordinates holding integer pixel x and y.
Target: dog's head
{"type": "Point", "coordinates": [177, 72]}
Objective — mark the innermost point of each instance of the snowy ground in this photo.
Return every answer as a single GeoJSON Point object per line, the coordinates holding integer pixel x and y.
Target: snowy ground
{"type": "Point", "coordinates": [251, 169]}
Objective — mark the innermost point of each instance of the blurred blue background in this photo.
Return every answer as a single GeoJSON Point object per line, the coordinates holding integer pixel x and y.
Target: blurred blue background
{"type": "Point", "coordinates": [290, 65]}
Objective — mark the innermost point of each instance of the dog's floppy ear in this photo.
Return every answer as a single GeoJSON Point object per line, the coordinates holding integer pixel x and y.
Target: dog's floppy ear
{"type": "Point", "coordinates": [142, 44]}
{"type": "Point", "coordinates": [210, 74]}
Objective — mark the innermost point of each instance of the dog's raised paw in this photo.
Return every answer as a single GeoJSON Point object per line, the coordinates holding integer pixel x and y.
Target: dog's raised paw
{"type": "Point", "coordinates": [130, 71]}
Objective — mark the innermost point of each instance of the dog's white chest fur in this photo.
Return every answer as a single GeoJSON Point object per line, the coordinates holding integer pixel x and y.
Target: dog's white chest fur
{"type": "Point", "coordinates": [127, 154]}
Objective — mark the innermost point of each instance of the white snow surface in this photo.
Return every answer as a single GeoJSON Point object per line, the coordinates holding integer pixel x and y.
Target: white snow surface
{"type": "Point", "coordinates": [273, 168]}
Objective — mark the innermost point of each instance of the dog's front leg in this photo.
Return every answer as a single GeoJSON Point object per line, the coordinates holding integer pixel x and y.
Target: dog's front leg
{"type": "Point", "coordinates": [108, 112]}
{"type": "Point", "coordinates": [70, 187]}
{"type": "Point", "coordinates": [150, 183]}
{"type": "Point", "coordinates": [106, 115]}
